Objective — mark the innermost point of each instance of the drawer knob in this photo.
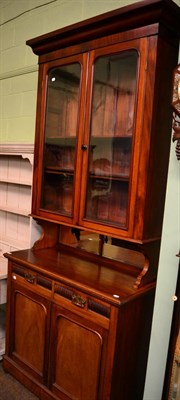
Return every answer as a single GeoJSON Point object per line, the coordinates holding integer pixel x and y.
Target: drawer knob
{"type": "Point", "coordinates": [78, 301]}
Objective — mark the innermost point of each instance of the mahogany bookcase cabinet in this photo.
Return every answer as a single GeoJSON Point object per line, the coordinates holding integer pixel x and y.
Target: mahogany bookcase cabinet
{"type": "Point", "coordinates": [80, 301]}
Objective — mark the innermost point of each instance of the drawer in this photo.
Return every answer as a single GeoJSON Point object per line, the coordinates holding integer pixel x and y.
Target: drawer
{"type": "Point", "coordinates": [32, 280]}
{"type": "Point", "coordinates": [82, 304]}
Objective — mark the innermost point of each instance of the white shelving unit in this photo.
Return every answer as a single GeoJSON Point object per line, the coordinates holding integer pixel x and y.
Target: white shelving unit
{"type": "Point", "coordinates": [17, 229]}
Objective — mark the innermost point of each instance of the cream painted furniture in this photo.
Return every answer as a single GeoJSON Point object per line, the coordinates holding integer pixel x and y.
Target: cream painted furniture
{"type": "Point", "coordinates": [16, 226]}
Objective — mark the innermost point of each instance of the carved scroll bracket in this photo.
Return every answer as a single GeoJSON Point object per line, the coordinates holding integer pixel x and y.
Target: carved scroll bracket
{"type": "Point", "coordinates": [49, 236]}
{"type": "Point", "coordinates": [150, 251]}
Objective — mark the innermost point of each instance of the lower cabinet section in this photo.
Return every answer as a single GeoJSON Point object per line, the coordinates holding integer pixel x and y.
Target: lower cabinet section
{"type": "Point", "coordinates": [71, 344]}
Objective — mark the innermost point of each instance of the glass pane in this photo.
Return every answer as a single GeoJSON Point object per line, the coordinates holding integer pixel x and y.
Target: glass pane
{"type": "Point", "coordinates": [112, 123]}
{"type": "Point", "coordinates": [60, 138]}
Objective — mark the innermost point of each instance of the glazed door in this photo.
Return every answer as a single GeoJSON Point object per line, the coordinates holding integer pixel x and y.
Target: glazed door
{"type": "Point", "coordinates": [91, 138]}
{"type": "Point", "coordinates": [77, 354]}
{"type": "Point", "coordinates": [57, 176]}
{"type": "Point", "coordinates": [112, 136]}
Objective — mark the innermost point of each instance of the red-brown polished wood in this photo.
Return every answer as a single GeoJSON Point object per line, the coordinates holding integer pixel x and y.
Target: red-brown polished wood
{"type": "Point", "coordinates": [71, 326]}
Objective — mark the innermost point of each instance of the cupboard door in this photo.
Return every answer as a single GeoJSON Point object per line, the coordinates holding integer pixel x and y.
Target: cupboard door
{"type": "Point", "coordinates": [112, 135]}
{"type": "Point", "coordinates": [29, 329]}
{"type": "Point", "coordinates": [77, 352]}
{"type": "Point", "coordinates": [63, 90]}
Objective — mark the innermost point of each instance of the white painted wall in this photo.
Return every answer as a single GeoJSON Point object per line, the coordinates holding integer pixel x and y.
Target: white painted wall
{"type": "Point", "coordinates": [21, 20]}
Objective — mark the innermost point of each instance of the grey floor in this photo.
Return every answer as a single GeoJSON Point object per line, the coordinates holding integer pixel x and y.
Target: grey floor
{"type": "Point", "coordinates": [11, 389]}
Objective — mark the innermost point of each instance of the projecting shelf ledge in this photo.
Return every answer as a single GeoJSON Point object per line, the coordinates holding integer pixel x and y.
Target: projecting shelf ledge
{"type": "Point", "coordinates": [18, 211]}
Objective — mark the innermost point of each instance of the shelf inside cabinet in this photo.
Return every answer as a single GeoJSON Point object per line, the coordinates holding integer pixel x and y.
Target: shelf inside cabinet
{"type": "Point", "coordinates": [58, 170]}
{"type": "Point", "coordinates": [58, 191]}
{"type": "Point", "coordinates": [60, 141]}
{"type": "Point", "coordinates": [107, 201]}
{"type": "Point", "coordinates": [107, 176]}
{"type": "Point", "coordinates": [114, 139]}
{"type": "Point", "coordinates": [59, 153]}
{"type": "Point", "coordinates": [110, 156]}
